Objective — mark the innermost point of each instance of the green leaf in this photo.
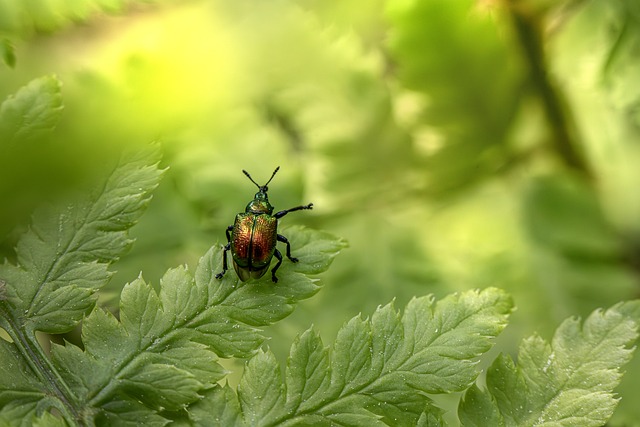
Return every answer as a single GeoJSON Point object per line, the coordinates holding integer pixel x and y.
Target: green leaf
{"type": "Point", "coordinates": [48, 420]}
{"type": "Point", "coordinates": [308, 371]}
{"type": "Point", "coordinates": [163, 352]}
{"type": "Point", "coordinates": [219, 408]}
{"type": "Point", "coordinates": [61, 261]}
{"type": "Point", "coordinates": [431, 417]}
{"type": "Point", "coordinates": [569, 382]}
{"type": "Point", "coordinates": [32, 111]}
{"type": "Point", "coordinates": [564, 214]}
{"type": "Point", "coordinates": [63, 257]}
{"type": "Point", "coordinates": [128, 413]}
{"type": "Point", "coordinates": [162, 386]}
{"type": "Point", "coordinates": [479, 409]}
{"type": "Point", "coordinates": [454, 83]}
{"type": "Point", "coordinates": [261, 392]}
{"type": "Point", "coordinates": [578, 248]}
{"type": "Point", "coordinates": [20, 389]}
{"type": "Point", "coordinates": [379, 369]}
{"type": "Point", "coordinates": [7, 52]}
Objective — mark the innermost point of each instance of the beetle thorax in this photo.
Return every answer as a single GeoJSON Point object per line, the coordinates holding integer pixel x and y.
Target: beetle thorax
{"type": "Point", "coordinates": [260, 203]}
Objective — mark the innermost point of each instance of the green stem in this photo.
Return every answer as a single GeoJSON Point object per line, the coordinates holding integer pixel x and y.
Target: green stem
{"type": "Point", "coordinates": [28, 346]}
{"type": "Point", "coordinates": [564, 140]}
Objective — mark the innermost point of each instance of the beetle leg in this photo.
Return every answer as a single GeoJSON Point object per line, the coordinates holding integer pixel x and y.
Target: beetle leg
{"type": "Point", "coordinates": [283, 239]}
{"type": "Point", "coordinates": [224, 261]}
{"type": "Point", "coordinates": [226, 247]}
{"type": "Point", "coordinates": [297, 208]}
{"type": "Point", "coordinates": [278, 255]}
{"type": "Point", "coordinates": [228, 232]}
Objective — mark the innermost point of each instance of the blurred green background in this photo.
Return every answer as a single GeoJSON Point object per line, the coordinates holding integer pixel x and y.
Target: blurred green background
{"type": "Point", "coordinates": [455, 144]}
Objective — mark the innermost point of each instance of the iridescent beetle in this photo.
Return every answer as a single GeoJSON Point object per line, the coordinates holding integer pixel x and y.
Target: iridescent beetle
{"type": "Point", "coordinates": [253, 237]}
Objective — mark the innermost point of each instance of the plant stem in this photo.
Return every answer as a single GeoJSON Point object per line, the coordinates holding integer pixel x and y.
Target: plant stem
{"type": "Point", "coordinates": [28, 346]}
{"type": "Point", "coordinates": [564, 139]}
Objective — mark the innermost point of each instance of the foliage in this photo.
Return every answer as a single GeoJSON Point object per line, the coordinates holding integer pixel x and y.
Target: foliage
{"type": "Point", "coordinates": [35, 108]}
{"type": "Point", "coordinates": [456, 145]}
{"type": "Point", "coordinates": [567, 383]}
{"type": "Point", "coordinates": [378, 369]}
{"type": "Point", "coordinates": [164, 348]}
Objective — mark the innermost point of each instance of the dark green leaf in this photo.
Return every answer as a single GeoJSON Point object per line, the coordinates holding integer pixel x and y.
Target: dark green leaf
{"type": "Point", "coordinates": [219, 408]}
{"type": "Point", "coordinates": [7, 52]}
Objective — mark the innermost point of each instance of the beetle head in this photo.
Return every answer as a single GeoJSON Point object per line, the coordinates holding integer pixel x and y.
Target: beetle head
{"type": "Point", "coordinates": [260, 203]}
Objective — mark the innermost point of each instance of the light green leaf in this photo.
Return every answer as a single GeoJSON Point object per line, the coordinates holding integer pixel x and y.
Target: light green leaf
{"type": "Point", "coordinates": [161, 386]}
{"type": "Point", "coordinates": [353, 356]}
{"type": "Point", "coordinates": [379, 369]}
{"type": "Point", "coordinates": [69, 359]}
{"type": "Point", "coordinates": [63, 257]}
{"type": "Point", "coordinates": [34, 109]}
{"type": "Point", "coordinates": [308, 371]}
{"type": "Point", "coordinates": [164, 350]}
{"type": "Point", "coordinates": [568, 382]}
{"type": "Point", "coordinates": [195, 358]}
{"type": "Point", "coordinates": [261, 391]}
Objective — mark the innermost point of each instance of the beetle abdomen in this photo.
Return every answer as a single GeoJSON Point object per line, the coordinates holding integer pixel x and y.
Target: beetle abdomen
{"type": "Point", "coordinates": [263, 240]}
{"type": "Point", "coordinates": [253, 243]}
{"type": "Point", "coordinates": [241, 240]}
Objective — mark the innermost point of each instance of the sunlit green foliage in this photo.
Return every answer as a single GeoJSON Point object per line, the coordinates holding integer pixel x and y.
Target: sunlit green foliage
{"type": "Point", "coordinates": [455, 144]}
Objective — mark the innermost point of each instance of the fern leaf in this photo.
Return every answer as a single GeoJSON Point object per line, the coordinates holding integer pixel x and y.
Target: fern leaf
{"type": "Point", "coordinates": [163, 352]}
{"type": "Point", "coordinates": [378, 371]}
{"type": "Point", "coordinates": [568, 382]}
{"type": "Point", "coordinates": [62, 261]}
{"type": "Point", "coordinates": [63, 258]}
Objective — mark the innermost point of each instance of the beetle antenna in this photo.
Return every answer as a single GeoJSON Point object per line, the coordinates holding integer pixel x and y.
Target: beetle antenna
{"type": "Point", "coordinates": [249, 176]}
{"type": "Point", "coordinates": [272, 175]}
{"type": "Point", "coordinates": [258, 185]}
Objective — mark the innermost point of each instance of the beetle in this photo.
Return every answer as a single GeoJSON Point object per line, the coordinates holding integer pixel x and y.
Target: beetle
{"type": "Point", "coordinates": [253, 237]}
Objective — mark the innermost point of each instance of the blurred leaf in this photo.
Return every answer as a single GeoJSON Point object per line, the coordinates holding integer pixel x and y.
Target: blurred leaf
{"type": "Point", "coordinates": [7, 53]}
{"type": "Point", "coordinates": [23, 18]}
{"type": "Point", "coordinates": [454, 55]}
{"type": "Point", "coordinates": [34, 109]}
{"type": "Point", "coordinates": [569, 382]}
{"type": "Point", "coordinates": [564, 214]}
{"type": "Point", "coordinates": [580, 250]}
